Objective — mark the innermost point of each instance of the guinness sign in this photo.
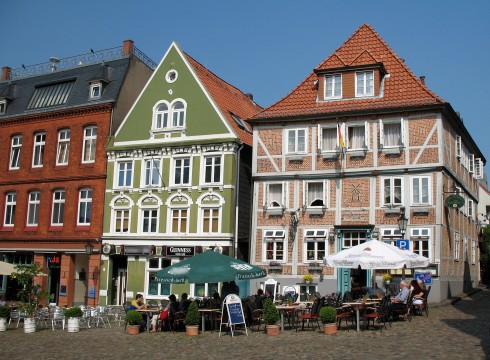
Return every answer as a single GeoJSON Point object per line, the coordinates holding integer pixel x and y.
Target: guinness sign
{"type": "Point", "coordinates": [180, 251]}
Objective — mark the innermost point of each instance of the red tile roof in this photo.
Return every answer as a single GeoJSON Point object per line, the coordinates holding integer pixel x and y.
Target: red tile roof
{"type": "Point", "coordinates": [401, 89]}
{"type": "Point", "coordinates": [228, 98]}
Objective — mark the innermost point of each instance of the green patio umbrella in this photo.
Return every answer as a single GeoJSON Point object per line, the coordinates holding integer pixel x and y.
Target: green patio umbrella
{"type": "Point", "coordinates": [209, 267]}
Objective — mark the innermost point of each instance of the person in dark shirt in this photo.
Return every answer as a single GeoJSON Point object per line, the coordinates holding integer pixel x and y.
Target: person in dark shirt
{"type": "Point", "coordinates": [259, 299]}
{"type": "Point", "coordinates": [184, 303]}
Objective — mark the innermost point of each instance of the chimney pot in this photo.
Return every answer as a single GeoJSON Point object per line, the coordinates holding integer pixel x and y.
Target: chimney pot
{"type": "Point", "coordinates": [422, 79]}
{"type": "Point", "coordinates": [128, 46]}
{"type": "Point", "coordinates": [6, 73]}
{"type": "Point", "coordinates": [250, 96]}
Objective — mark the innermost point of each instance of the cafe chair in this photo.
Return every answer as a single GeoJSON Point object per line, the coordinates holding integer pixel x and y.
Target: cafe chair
{"type": "Point", "coordinates": [254, 314]}
{"type": "Point", "coordinates": [313, 315]}
{"type": "Point", "coordinates": [345, 313]}
{"type": "Point", "coordinates": [379, 314]}
{"type": "Point", "coordinates": [406, 312]}
{"type": "Point", "coordinates": [424, 307]}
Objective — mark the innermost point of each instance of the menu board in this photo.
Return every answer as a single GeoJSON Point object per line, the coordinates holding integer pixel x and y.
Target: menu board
{"type": "Point", "coordinates": [235, 310]}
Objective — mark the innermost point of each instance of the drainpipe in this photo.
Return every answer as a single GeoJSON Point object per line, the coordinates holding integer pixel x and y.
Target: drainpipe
{"type": "Point", "coordinates": [237, 192]}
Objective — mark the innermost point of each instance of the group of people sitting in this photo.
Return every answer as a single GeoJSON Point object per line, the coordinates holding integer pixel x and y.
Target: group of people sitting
{"type": "Point", "coordinates": [400, 301]}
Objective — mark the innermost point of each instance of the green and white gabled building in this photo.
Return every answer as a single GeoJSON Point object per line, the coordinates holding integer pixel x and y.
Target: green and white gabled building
{"type": "Point", "coordinates": [179, 180]}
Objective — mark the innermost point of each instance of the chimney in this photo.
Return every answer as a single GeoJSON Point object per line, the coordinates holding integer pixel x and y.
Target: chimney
{"type": "Point", "coordinates": [6, 73]}
{"type": "Point", "coordinates": [422, 79]}
{"type": "Point", "coordinates": [128, 46]}
{"type": "Point", "coordinates": [250, 96]}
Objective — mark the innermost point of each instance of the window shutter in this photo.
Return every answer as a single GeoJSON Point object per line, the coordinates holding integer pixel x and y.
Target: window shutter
{"type": "Point", "coordinates": [478, 169]}
{"type": "Point", "coordinates": [284, 194]}
{"type": "Point", "coordinates": [458, 146]}
{"type": "Point", "coordinates": [402, 132]}
{"type": "Point", "coordinates": [366, 134]}
{"type": "Point", "coordinates": [320, 138]}
{"type": "Point", "coordinates": [305, 202]}
{"type": "Point", "coordinates": [472, 163]}
{"type": "Point", "coordinates": [266, 200]}
{"type": "Point", "coordinates": [381, 134]}
{"type": "Point", "coordinates": [346, 137]}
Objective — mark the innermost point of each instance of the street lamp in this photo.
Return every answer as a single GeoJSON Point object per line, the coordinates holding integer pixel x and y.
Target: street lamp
{"type": "Point", "coordinates": [89, 248]}
{"type": "Point", "coordinates": [402, 222]}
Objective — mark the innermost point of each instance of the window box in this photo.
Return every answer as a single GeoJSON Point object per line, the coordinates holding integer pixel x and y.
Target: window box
{"type": "Point", "coordinates": [392, 211]}
{"type": "Point", "coordinates": [296, 158]}
{"type": "Point", "coordinates": [358, 153]}
{"type": "Point", "coordinates": [392, 151]}
{"type": "Point", "coordinates": [316, 211]}
{"type": "Point", "coordinates": [421, 210]}
{"type": "Point", "coordinates": [331, 155]}
{"type": "Point", "coordinates": [275, 266]}
{"type": "Point", "coordinates": [314, 266]}
{"type": "Point", "coordinates": [275, 211]}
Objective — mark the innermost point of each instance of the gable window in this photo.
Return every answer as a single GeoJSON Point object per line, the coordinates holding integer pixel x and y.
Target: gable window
{"type": "Point", "coordinates": [178, 114]}
{"type": "Point", "coordinates": [365, 83]}
{"type": "Point", "coordinates": [58, 210]}
{"type": "Point", "coordinates": [162, 116]}
{"type": "Point", "coordinates": [316, 194]}
{"type": "Point", "coordinates": [316, 245]}
{"type": "Point", "coordinates": [33, 208]}
{"type": "Point", "coordinates": [296, 141]}
{"type": "Point", "coordinates": [152, 172]}
{"type": "Point", "coordinates": [274, 243]}
{"type": "Point", "coordinates": [329, 140]}
{"type": "Point", "coordinates": [84, 206]}
{"type": "Point", "coordinates": [421, 190]}
{"type": "Point", "coordinates": [168, 117]}
{"type": "Point", "coordinates": [392, 191]}
{"type": "Point", "coordinates": [457, 245]}
{"type": "Point", "coordinates": [3, 106]}
{"type": "Point", "coordinates": [38, 154]}
{"type": "Point", "coordinates": [333, 86]}
{"type": "Point", "coordinates": [212, 169]}
{"type": "Point", "coordinates": [391, 133]}
{"type": "Point", "coordinates": [274, 195]}
{"type": "Point", "coordinates": [420, 241]}
{"type": "Point", "coordinates": [182, 170]}
{"type": "Point", "coordinates": [89, 144]}
{"type": "Point", "coordinates": [124, 174]}
{"type": "Point", "coordinates": [357, 137]}
{"type": "Point", "coordinates": [63, 147]}
{"type": "Point", "coordinates": [95, 91]}
{"type": "Point", "coordinates": [15, 151]}
{"type": "Point", "coordinates": [10, 204]}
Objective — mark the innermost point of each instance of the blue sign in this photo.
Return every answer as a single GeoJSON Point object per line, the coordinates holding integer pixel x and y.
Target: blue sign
{"type": "Point", "coordinates": [403, 244]}
{"type": "Point", "coordinates": [236, 313]}
{"type": "Point", "coordinates": [426, 277]}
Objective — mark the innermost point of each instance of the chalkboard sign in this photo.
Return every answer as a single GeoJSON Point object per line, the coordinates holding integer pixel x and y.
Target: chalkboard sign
{"type": "Point", "coordinates": [233, 305]}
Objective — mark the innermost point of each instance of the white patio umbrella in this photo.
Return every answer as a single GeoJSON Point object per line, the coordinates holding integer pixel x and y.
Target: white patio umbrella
{"type": "Point", "coordinates": [375, 254]}
{"type": "Point", "coordinates": [6, 268]}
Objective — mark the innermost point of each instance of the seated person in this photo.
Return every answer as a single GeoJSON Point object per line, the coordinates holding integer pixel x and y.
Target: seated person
{"type": "Point", "coordinates": [418, 297]}
{"type": "Point", "coordinates": [138, 304]}
{"type": "Point", "coordinates": [169, 311]}
{"type": "Point", "coordinates": [399, 302]}
{"type": "Point", "coordinates": [184, 303]}
{"type": "Point", "coordinates": [259, 299]}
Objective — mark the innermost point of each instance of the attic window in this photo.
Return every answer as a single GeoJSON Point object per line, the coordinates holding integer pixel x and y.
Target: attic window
{"type": "Point", "coordinates": [171, 76]}
{"type": "Point", "coordinates": [239, 121]}
{"type": "Point", "coordinates": [364, 83]}
{"type": "Point", "coordinates": [3, 106]}
{"type": "Point", "coordinates": [95, 90]}
{"type": "Point", "coordinates": [50, 95]}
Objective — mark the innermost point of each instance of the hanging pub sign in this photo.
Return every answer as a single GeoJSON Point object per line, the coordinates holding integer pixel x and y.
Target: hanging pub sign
{"type": "Point", "coordinates": [454, 201]}
{"type": "Point", "coordinates": [180, 251]}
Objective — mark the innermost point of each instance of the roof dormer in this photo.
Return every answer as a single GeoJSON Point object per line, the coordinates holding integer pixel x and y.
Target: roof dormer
{"type": "Point", "coordinates": [98, 82]}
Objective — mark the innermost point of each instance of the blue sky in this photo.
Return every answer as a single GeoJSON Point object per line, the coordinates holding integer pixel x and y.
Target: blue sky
{"type": "Point", "coordinates": [267, 47]}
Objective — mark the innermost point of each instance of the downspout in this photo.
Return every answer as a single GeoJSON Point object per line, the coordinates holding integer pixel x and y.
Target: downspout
{"type": "Point", "coordinates": [237, 192]}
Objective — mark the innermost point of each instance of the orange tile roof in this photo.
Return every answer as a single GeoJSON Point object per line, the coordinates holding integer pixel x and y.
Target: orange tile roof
{"type": "Point", "coordinates": [228, 98]}
{"type": "Point", "coordinates": [401, 89]}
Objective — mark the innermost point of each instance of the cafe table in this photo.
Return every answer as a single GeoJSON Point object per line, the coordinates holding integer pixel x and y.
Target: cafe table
{"type": "Point", "coordinates": [283, 308]}
{"type": "Point", "coordinates": [360, 305]}
{"type": "Point", "coordinates": [149, 313]}
{"type": "Point", "coordinates": [206, 312]}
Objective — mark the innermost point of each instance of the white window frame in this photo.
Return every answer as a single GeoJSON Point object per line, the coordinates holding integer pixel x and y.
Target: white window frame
{"type": "Point", "coordinates": [321, 142]}
{"type": "Point", "coordinates": [361, 91]}
{"type": "Point", "coordinates": [118, 220]}
{"type": "Point", "coordinates": [315, 236]}
{"type": "Point", "coordinates": [84, 215]}
{"type": "Point", "coordinates": [421, 237]}
{"type": "Point", "coordinates": [335, 86]}
{"type": "Point", "coordinates": [10, 205]}
{"type": "Point", "coordinates": [457, 246]}
{"type": "Point", "coordinates": [152, 171]}
{"type": "Point", "coordinates": [278, 240]}
{"type": "Point", "coordinates": [152, 215]}
{"type": "Point", "coordinates": [215, 168]}
{"type": "Point", "coordinates": [383, 123]}
{"type": "Point", "coordinates": [126, 169]}
{"type": "Point", "coordinates": [150, 276]}
{"type": "Point", "coordinates": [390, 235]}
{"type": "Point", "coordinates": [306, 192]}
{"type": "Point", "coordinates": [270, 199]}
{"type": "Point", "coordinates": [63, 153]}
{"type": "Point", "coordinates": [181, 169]}
{"type": "Point", "coordinates": [161, 116]}
{"type": "Point", "coordinates": [392, 191]}
{"type": "Point", "coordinates": [171, 118]}
{"type": "Point", "coordinates": [471, 169]}
{"type": "Point", "coordinates": [465, 248]}
{"type": "Point", "coordinates": [38, 149]}
{"type": "Point", "coordinates": [478, 169]}
{"type": "Point", "coordinates": [95, 90]}
{"type": "Point", "coordinates": [458, 146]}
{"type": "Point", "coordinates": [34, 203]}
{"type": "Point", "coordinates": [473, 251]}
{"type": "Point", "coordinates": [348, 132]}
{"type": "Point", "coordinates": [353, 240]}
{"type": "Point", "coordinates": [470, 209]}
{"type": "Point", "coordinates": [214, 217]}
{"type": "Point", "coordinates": [15, 152]}
{"type": "Point", "coordinates": [89, 144]}
{"type": "Point", "coordinates": [58, 207]}
{"type": "Point", "coordinates": [181, 212]}
{"type": "Point", "coordinates": [297, 146]}
{"type": "Point", "coordinates": [417, 199]}
{"type": "Point", "coordinates": [3, 106]}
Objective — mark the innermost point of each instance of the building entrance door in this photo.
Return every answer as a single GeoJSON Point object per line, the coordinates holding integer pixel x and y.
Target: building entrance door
{"type": "Point", "coordinates": [121, 282]}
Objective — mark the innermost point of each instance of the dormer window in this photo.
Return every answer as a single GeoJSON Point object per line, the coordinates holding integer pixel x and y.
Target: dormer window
{"type": "Point", "coordinates": [364, 83]}
{"type": "Point", "coordinates": [95, 91]}
{"type": "Point", "coordinates": [3, 107]}
{"type": "Point", "coordinates": [333, 86]}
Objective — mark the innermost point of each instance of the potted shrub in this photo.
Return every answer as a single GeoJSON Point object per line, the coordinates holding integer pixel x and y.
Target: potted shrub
{"type": "Point", "coordinates": [73, 314]}
{"type": "Point", "coordinates": [192, 320]}
{"type": "Point", "coordinates": [31, 294]}
{"type": "Point", "coordinates": [328, 316]}
{"type": "Point", "coordinates": [4, 314]}
{"type": "Point", "coordinates": [271, 317]}
{"type": "Point", "coordinates": [307, 278]}
{"type": "Point", "coordinates": [134, 320]}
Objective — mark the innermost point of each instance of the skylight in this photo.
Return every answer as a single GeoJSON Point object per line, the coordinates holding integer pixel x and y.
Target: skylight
{"type": "Point", "coordinates": [50, 95]}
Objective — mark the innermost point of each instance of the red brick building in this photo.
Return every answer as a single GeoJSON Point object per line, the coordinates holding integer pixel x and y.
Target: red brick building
{"type": "Point", "coordinates": [55, 120]}
{"type": "Point", "coordinates": [359, 142]}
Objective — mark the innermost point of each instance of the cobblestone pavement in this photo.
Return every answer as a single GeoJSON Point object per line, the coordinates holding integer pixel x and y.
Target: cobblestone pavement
{"type": "Point", "coordinates": [459, 331]}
